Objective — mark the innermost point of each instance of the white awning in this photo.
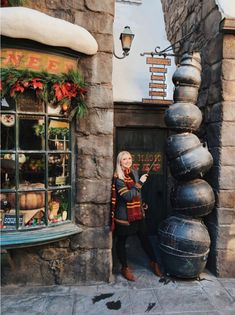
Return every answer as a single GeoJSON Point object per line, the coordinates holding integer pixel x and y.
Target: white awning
{"type": "Point", "coordinates": [20, 22]}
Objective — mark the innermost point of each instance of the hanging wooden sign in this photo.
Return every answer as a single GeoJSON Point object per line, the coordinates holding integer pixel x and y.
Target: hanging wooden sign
{"type": "Point", "coordinates": [158, 84]}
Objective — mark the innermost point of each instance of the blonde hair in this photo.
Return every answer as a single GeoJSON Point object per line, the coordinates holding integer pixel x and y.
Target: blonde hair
{"type": "Point", "coordinates": [119, 172]}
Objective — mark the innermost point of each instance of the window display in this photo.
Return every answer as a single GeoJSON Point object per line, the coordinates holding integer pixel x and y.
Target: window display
{"type": "Point", "coordinates": [35, 165]}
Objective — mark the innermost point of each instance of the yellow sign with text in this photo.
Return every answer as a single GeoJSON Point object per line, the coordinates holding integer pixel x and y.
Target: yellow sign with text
{"type": "Point", "coordinates": [36, 61]}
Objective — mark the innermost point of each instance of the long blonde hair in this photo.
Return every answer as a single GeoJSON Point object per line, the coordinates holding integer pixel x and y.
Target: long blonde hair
{"type": "Point", "coordinates": [118, 171]}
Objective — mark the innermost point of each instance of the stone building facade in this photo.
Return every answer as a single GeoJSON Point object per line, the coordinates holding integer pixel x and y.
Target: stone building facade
{"type": "Point", "coordinates": [86, 257]}
{"type": "Point", "coordinates": [214, 37]}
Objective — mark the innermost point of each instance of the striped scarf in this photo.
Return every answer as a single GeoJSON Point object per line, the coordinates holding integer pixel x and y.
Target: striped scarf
{"type": "Point", "coordinates": [134, 211]}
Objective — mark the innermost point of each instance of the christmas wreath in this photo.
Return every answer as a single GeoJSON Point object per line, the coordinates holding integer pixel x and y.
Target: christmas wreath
{"type": "Point", "coordinates": [66, 90]}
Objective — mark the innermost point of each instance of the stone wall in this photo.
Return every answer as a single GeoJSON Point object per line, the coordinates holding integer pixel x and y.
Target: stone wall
{"type": "Point", "coordinates": [217, 103]}
{"type": "Point", "coordinates": [86, 257]}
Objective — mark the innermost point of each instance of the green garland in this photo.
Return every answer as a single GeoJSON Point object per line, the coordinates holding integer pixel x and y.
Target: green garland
{"type": "Point", "coordinates": [65, 89]}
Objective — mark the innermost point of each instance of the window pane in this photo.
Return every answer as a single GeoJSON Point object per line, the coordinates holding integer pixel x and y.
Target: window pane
{"type": "Point", "coordinates": [58, 206]}
{"type": "Point", "coordinates": [7, 212]}
{"type": "Point", "coordinates": [32, 206]}
{"type": "Point", "coordinates": [31, 133]}
{"type": "Point", "coordinates": [7, 131]}
{"type": "Point", "coordinates": [58, 169]}
{"type": "Point", "coordinates": [7, 171]}
{"type": "Point", "coordinates": [29, 102]}
{"type": "Point", "coordinates": [7, 103]}
{"type": "Point", "coordinates": [58, 135]}
{"type": "Point", "coordinates": [33, 169]}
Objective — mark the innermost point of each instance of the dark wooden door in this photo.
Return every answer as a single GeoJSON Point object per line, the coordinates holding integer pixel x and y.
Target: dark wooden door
{"type": "Point", "coordinates": [147, 147]}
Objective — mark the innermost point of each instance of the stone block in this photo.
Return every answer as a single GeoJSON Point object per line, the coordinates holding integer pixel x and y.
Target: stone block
{"type": "Point", "coordinates": [228, 156]}
{"type": "Point", "coordinates": [24, 266]}
{"type": "Point", "coordinates": [216, 72]}
{"type": "Point", "coordinates": [229, 111]}
{"type": "Point", "coordinates": [213, 134]}
{"type": "Point", "coordinates": [211, 24]}
{"type": "Point", "coordinates": [92, 238]}
{"type": "Point", "coordinates": [94, 167]}
{"type": "Point", "coordinates": [227, 177]}
{"type": "Point", "coordinates": [226, 237]}
{"type": "Point", "coordinates": [105, 42]}
{"type": "Point", "coordinates": [98, 146]}
{"type": "Point", "coordinates": [225, 263]}
{"type": "Point", "coordinates": [100, 96]}
{"type": "Point", "coordinates": [226, 198]}
{"type": "Point", "coordinates": [52, 253]}
{"type": "Point", "coordinates": [228, 90]}
{"type": "Point", "coordinates": [226, 216]}
{"type": "Point", "coordinates": [95, 22]}
{"type": "Point", "coordinates": [88, 267]}
{"type": "Point", "coordinates": [97, 69]}
{"type": "Point", "coordinates": [207, 7]}
{"type": "Point", "coordinates": [105, 6]}
{"type": "Point", "coordinates": [227, 133]}
{"type": "Point", "coordinates": [228, 69]}
{"type": "Point", "coordinates": [97, 122]}
{"type": "Point", "coordinates": [205, 77]}
{"type": "Point", "coordinates": [93, 190]}
{"type": "Point", "coordinates": [213, 49]}
{"type": "Point", "coordinates": [91, 215]}
{"type": "Point", "coordinates": [202, 98]}
{"type": "Point", "coordinates": [229, 46]}
{"type": "Point", "coordinates": [213, 113]}
{"type": "Point", "coordinates": [214, 93]}
{"type": "Point", "coordinates": [74, 4]}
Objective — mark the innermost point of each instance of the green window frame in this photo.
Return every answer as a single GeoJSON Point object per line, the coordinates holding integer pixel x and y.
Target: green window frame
{"type": "Point", "coordinates": [36, 198]}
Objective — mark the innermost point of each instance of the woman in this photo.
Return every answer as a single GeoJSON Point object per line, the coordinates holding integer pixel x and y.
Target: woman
{"type": "Point", "coordinates": [127, 214]}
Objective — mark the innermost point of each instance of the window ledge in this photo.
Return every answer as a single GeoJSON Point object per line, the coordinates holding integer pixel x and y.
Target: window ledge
{"type": "Point", "coordinates": [26, 238]}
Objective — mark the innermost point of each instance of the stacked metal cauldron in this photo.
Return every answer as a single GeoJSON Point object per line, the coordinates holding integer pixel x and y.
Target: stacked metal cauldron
{"type": "Point", "coordinates": [184, 239]}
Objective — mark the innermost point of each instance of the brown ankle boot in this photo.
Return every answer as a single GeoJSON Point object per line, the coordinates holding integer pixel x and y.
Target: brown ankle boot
{"type": "Point", "coordinates": [127, 274]}
{"type": "Point", "coordinates": [156, 268]}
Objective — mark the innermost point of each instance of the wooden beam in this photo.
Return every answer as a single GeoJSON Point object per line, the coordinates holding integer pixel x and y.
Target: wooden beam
{"type": "Point", "coordinates": [158, 77]}
{"type": "Point", "coordinates": [157, 93]}
{"type": "Point", "coordinates": [157, 86]}
{"type": "Point", "coordinates": [158, 61]}
{"type": "Point", "coordinates": [157, 69]}
{"type": "Point", "coordinates": [156, 101]}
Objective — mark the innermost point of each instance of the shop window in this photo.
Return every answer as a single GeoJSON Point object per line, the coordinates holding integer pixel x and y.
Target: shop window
{"type": "Point", "coordinates": [36, 164]}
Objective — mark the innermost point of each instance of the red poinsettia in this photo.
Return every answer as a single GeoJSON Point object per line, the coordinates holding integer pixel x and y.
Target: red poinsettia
{"type": "Point", "coordinates": [20, 86]}
{"type": "Point", "coordinates": [17, 87]}
{"type": "Point", "coordinates": [67, 90]}
{"type": "Point", "coordinates": [0, 85]}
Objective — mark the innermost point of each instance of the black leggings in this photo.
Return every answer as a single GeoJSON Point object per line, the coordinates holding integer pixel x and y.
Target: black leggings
{"type": "Point", "coordinates": [121, 247]}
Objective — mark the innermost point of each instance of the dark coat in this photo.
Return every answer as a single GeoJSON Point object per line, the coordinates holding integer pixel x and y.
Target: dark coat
{"type": "Point", "coordinates": [121, 208]}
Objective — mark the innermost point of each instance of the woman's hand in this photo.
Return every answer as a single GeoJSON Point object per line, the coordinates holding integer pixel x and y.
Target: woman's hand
{"type": "Point", "coordinates": [143, 178]}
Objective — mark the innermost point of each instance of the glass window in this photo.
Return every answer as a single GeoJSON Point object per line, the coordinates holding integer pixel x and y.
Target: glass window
{"type": "Point", "coordinates": [35, 165]}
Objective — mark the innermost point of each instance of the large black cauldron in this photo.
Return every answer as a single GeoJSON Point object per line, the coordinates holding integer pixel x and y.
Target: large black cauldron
{"type": "Point", "coordinates": [183, 117]}
{"type": "Point", "coordinates": [180, 143]}
{"type": "Point", "coordinates": [191, 164]}
{"type": "Point", "coordinates": [194, 198]}
{"type": "Point", "coordinates": [184, 245]}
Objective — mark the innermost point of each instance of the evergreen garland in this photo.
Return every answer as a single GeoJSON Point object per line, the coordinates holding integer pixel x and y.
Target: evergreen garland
{"type": "Point", "coordinates": [65, 89]}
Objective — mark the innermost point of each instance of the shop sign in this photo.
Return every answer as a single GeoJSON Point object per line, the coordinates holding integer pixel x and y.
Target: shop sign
{"type": "Point", "coordinates": [143, 161]}
{"type": "Point", "coordinates": [36, 61]}
{"type": "Point", "coordinates": [10, 220]}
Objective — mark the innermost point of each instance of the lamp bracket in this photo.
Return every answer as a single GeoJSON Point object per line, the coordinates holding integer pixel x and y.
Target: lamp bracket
{"type": "Point", "coordinates": [165, 51]}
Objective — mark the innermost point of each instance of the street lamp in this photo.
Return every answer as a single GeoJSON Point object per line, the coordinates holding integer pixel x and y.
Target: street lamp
{"type": "Point", "coordinates": [126, 38]}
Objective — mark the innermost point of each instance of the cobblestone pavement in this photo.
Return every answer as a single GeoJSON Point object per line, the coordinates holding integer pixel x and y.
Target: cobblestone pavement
{"type": "Point", "coordinates": [209, 296]}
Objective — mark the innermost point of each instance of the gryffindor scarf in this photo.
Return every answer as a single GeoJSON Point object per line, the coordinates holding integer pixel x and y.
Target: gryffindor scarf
{"type": "Point", "coordinates": [134, 211]}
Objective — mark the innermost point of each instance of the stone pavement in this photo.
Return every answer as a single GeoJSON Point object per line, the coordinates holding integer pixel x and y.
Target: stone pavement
{"type": "Point", "coordinates": [210, 296]}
